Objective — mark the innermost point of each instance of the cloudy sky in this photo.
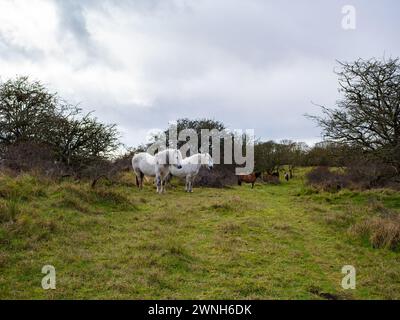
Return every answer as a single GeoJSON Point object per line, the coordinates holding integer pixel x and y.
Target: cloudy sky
{"type": "Point", "coordinates": [253, 64]}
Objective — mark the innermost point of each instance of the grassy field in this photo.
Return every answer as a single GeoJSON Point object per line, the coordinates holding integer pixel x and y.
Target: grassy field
{"type": "Point", "coordinates": [114, 242]}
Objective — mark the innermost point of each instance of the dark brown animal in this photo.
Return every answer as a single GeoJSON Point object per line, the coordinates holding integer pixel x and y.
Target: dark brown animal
{"type": "Point", "coordinates": [251, 178]}
{"type": "Point", "coordinates": [287, 176]}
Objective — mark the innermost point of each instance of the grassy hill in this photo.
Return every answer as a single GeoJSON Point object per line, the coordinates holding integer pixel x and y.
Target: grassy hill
{"type": "Point", "coordinates": [273, 242]}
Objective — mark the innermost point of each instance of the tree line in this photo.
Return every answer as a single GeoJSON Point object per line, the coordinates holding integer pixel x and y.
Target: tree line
{"type": "Point", "coordinates": [39, 129]}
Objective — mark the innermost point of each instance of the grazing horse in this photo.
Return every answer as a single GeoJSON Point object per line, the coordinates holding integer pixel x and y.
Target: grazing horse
{"type": "Point", "coordinates": [251, 178]}
{"type": "Point", "coordinates": [164, 161]}
{"type": "Point", "coordinates": [157, 166]}
{"type": "Point", "coordinates": [191, 167]}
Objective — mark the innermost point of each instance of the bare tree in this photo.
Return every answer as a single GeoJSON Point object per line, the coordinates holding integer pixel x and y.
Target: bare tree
{"type": "Point", "coordinates": [368, 115]}
{"type": "Point", "coordinates": [82, 139]}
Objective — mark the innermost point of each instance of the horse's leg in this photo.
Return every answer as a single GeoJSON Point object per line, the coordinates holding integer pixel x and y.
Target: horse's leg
{"type": "Point", "coordinates": [141, 180]}
{"type": "Point", "coordinates": [161, 181]}
{"type": "Point", "coordinates": [187, 183]}
{"type": "Point", "coordinates": [138, 180]}
{"type": "Point", "coordinates": [158, 180]}
{"type": "Point", "coordinates": [168, 179]}
{"type": "Point", "coordinates": [191, 184]}
{"type": "Point", "coordinates": [164, 182]}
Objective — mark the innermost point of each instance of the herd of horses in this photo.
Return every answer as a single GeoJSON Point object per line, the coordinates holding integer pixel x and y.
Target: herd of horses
{"type": "Point", "coordinates": [170, 162]}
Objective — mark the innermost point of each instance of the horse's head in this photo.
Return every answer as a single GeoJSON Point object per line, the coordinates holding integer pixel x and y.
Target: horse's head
{"type": "Point", "coordinates": [175, 158]}
{"type": "Point", "coordinates": [208, 160]}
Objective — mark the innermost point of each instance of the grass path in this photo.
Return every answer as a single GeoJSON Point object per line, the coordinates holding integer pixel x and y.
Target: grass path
{"type": "Point", "coordinates": [273, 242]}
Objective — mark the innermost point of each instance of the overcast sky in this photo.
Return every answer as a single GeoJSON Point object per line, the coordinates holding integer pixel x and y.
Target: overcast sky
{"type": "Point", "coordinates": [253, 64]}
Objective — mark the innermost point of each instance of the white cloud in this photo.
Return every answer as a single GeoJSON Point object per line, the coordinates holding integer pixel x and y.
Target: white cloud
{"type": "Point", "coordinates": [29, 27]}
{"type": "Point", "coordinates": [251, 64]}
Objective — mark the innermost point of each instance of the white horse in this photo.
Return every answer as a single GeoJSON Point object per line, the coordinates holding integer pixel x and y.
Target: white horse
{"type": "Point", "coordinates": [143, 164]}
{"type": "Point", "coordinates": [157, 166]}
{"type": "Point", "coordinates": [191, 167]}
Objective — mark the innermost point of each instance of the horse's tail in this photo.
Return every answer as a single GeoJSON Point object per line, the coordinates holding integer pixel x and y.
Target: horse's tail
{"type": "Point", "coordinates": [239, 181]}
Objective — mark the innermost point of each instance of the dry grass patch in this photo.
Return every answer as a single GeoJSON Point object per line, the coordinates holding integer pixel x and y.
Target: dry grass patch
{"type": "Point", "coordinates": [9, 211]}
{"type": "Point", "coordinates": [381, 232]}
{"type": "Point", "coordinates": [380, 227]}
{"type": "Point", "coordinates": [230, 227]}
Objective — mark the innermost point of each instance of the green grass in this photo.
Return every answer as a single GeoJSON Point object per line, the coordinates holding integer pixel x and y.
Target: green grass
{"type": "Point", "coordinates": [114, 242]}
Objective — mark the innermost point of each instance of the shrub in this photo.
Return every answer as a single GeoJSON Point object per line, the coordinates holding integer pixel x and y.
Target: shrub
{"type": "Point", "coordinates": [327, 180]}
{"type": "Point", "coordinates": [271, 179]}
{"type": "Point", "coordinates": [220, 177]}
{"type": "Point", "coordinates": [381, 232]}
{"type": "Point", "coordinates": [45, 128]}
{"type": "Point", "coordinates": [360, 174]}
{"type": "Point", "coordinates": [30, 156]}
{"type": "Point", "coordinates": [367, 174]}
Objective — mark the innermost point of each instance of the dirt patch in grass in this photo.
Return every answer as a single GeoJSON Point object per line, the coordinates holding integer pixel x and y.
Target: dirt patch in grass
{"type": "Point", "coordinates": [326, 295]}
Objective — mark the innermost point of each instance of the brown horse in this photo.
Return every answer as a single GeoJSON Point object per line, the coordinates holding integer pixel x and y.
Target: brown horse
{"type": "Point", "coordinates": [251, 178]}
